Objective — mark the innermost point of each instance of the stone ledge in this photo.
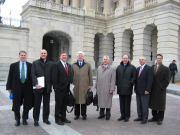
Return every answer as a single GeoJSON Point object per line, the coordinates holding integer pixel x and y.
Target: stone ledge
{"type": "Point", "coordinates": [173, 89]}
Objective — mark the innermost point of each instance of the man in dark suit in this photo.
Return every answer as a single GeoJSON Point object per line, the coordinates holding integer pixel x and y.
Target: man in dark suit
{"type": "Point", "coordinates": [61, 77]}
{"type": "Point", "coordinates": [173, 70]}
{"type": "Point", "coordinates": [158, 92]}
{"type": "Point", "coordinates": [144, 80]}
{"type": "Point", "coordinates": [42, 68]}
{"type": "Point", "coordinates": [125, 79]}
{"type": "Point", "coordinates": [20, 84]}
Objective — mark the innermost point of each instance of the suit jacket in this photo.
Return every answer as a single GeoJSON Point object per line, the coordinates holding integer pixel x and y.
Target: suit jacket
{"type": "Point", "coordinates": [14, 84]}
{"type": "Point", "coordinates": [61, 81]}
{"type": "Point", "coordinates": [158, 93]}
{"type": "Point", "coordinates": [39, 69]}
{"type": "Point", "coordinates": [144, 81]}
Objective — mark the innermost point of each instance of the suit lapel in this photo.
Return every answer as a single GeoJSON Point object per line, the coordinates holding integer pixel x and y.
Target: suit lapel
{"type": "Point", "coordinates": [28, 70]}
{"type": "Point", "coordinates": [61, 65]}
{"type": "Point", "coordinates": [18, 71]}
{"type": "Point", "coordinates": [159, 70]}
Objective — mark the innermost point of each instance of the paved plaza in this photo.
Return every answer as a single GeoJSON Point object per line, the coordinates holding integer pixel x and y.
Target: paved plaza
{"type": "Point", "coordinates": [92, 126]}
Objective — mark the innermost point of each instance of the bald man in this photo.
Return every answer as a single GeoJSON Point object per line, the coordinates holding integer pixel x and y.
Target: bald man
{"type": "Point", "coordinates": [42, 68]}
{"type": "Point", "coordinates": [143, 85]}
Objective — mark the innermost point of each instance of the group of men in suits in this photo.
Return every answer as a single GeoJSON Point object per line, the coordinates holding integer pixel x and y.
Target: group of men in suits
{"type": "Point", "coordinates": [150, 87]}
{"type": "Point", "coordinates": [24, 75]}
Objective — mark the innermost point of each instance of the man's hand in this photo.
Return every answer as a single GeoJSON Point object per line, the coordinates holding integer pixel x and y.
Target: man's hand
{"type": "Point", "coordinates": [89, 87]}
{"type": "Point", "coordinates": [146, 92]}
{"type": "Point", "coordinates": [9, 91]}
{"type": "Point", "coordinates": [111, 91]}
{"type": "Point", "coordinates": [38, 86]}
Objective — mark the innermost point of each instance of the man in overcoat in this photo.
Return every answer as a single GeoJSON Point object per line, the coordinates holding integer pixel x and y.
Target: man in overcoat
{"type": "Point", "coordinates": [158, 92]}
{"type": "Point", "coordinates": [42, 68]}
{"type": "Point", "coordinates": [61, 76]}
{"type": "Point", "coordinates": [82, 80]}
{"type": "Point", "coordinates": [125, 79]}
{"type": "Point", "coordinates": [20, 84]}
{"type": "Point", "coordinates": [173, 70]}
{"type": "Point", "coordinates": [105, 85]}
{"type": "Point", "coordinates": [143, 85]}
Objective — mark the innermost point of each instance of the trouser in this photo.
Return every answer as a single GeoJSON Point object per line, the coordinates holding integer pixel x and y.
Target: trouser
{"type": "Point", "coordinates": [125, 105]}
{"type": "Point", "coordinates": [60, 105]}
{"type": "Point", "coordinates": [77, 110]}
{"type": "Point", "coordinates": [108, 112]}
{"type": "Point", "coordinates": [25, 109]}
{"type": "Point", "coordinates": [172, 76]}
{"type": "Point", "coordinates": [37, 104]}
{"type": "Point", "coordinates": [143, 105]}
{"type": "Point", "coordinates": [158, 115]}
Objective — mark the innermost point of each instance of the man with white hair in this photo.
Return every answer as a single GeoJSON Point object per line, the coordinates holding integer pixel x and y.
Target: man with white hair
{"type": "Point", "coordinates": [105, 85]}
{"type": "Point", "coordinates": [143, 85]}
{"type": "Point", "coordinates": [82, 80]}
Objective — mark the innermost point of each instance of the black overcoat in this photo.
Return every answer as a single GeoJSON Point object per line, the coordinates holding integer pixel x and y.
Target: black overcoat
{"type": "Point", "coordinates": [158, 92]}
{"type": "Point", "coordinates": [39, 69]}
{"type": "Point", "coordinates": [125, 78]}
{"type": "Point", "coordinates": [14, 84]}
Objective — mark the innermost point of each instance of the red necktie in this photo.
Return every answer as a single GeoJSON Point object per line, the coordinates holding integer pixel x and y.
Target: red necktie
{"type": "Point", "coordinates": [140, 71]}
{"type": "Point", "coordinates": [66, 69]}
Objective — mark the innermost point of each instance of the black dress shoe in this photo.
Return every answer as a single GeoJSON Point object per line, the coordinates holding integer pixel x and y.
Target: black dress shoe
{"type": "Point", "coordinates": [66, 120]}
{"type": "Point", "coordinates": [107, 118]}
{"type": "Point", "coordinates": [59, 122]}
{"type": "Point", "coordinates": [47, 122]}
{"type": "Point", "coordinates": [76, 117]}
{"type": "Point", "coordinates": [159, 122]}
{"type": "Point", "coordinates": [152, 119]}
{"type": "Point", "coordinates": [143, 121]}
{"type": "Point", "coordinates": [121, 118]}
{"type": "Point", "coordinates": [84, 117]}
{"type": "Point", "coordinates": [36, 123]}
{"type": "Point", "coordinates": [137, 119]}
{"type": "Point", "coordinates": [25, 122]}
{"type": "Point", "coordinates": [17, 123]}
{"type": "Point", "coordinates": [100, 117]}
{"type": "Point", "coordinates": [126, 119]}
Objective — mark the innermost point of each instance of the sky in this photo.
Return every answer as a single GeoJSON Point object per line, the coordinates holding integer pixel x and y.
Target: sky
{"type": "Point", "coordinates": [13, 6]}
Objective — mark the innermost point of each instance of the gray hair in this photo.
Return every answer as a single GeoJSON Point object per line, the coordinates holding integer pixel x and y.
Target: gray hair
{"type": "Point", "coordinates": [80, 52]}
{"type": "Point", "coordinates": [106, 56]}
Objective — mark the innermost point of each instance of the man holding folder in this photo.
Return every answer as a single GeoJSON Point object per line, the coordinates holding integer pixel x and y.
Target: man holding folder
{"type": "Point", "coordinates": [41, 68]}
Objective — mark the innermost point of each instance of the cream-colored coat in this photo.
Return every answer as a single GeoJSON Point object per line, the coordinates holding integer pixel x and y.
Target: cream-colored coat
{"type": "Point", "coordinates": [81, 78]}
{"type": "Point", "coordinates": [105, 81]}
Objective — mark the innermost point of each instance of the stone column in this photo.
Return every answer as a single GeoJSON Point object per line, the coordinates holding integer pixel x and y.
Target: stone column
{"type": "Point", "coordinates": [58, 1]}
{"type": "Point", "coordinates": [139, 49]}
{"type": "Point", "coordinates": [87, 3]}
{"type": "Point", "coordinates": [154, 46]}
{"type": "Point", "coordinates": [66, 2]}
{"type": "Point", "coordinates": [88, 45]}
{"type": "Point", "coordinates": [168, 39]}
{"type": "Point", "coordinates": [75, 3]}
{"type": "Point", "coordinates": [120, 9]}
{"type": "Point", "coordinates": [89, 11]}
{"type": "Point", "coordinates": [107, 6]}
{"type": "Point", "coordinates": [105, 47]}
{"type": "Point", "coordinates": [118, 51]}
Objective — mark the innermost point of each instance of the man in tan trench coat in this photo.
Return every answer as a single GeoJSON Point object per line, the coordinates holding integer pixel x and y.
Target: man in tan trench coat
{"type": "Point", "coordinates": [105, 85]}
{"type": "Point", "coordinates": [82, 80]}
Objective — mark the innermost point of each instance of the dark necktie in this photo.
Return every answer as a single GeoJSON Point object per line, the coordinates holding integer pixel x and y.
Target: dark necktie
{"type": "Point", "coordinates": [22, 73]}
{"type": "Point", "coordinates": [66, 68]}
{"type": "Point", "coordinates": [80, 64]}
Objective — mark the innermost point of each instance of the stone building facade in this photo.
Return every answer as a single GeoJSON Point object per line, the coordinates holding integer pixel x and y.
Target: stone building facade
{"type": "Point", "coordinates": [97, 27]}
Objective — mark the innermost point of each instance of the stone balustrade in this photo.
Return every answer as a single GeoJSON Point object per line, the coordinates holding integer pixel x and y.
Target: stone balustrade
{"type": "Point", "coordinates": [54, 6]}
{"type": "Point", "coordinates": [128, 9]}
{"type": "Point", "coordinates": [150, 2]}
